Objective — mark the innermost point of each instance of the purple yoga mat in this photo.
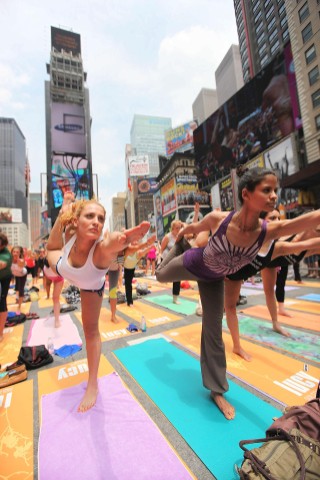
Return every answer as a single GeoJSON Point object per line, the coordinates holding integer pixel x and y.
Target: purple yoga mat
{"type": "Point", "coordinates": [115, 440]}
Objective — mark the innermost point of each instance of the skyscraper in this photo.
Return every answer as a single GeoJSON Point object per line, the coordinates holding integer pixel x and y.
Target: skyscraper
{"type": "Point", "coordinates": [12, 167]}
{"type": "Point", "coordinates": [69, 160]}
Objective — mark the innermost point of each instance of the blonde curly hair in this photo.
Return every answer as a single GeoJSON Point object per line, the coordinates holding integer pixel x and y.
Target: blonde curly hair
{"type": "Point", "coordinates": [74, 212]}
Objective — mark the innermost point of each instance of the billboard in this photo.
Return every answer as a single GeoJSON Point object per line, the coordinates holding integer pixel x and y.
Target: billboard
{"type": "Point", "coordinates": [45, 225]}
{"type": "Point", "coordinates": [138, 165]}
{"type": "Point", "coordinates": [10, 215]}
{"type": "Point", "coordinates": [147, 185]}
{"type": "Point", "coordinates": [180, 139]}
{"type": "Point", "coordinates": [283, 158]}
{"type": "Point", "coordinates": [69, 173]}
{"type": "Point", "coordinates": [260, 114]}
{"type": "Point", "coordinates": [188, 193]}
{"type": "Point", "coordinates": [157, 205]}
{"type": "Point", "coordinates": [65, 40]}
{"type": "Point", "coordinates": [68, 134]}
{"type": "Point", "coordinates": [168, 197]}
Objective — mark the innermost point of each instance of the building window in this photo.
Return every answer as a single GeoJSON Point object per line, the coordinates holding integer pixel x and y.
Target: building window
{"type": "Point", "coordinates": [304, 12]}
{"type": "Point", "coordinates": [261, 38]}
{"type": "Point", "coordinates": [315, 97]}
{"type": "Point", "coordinates": [262, 49]}
{"type": "Point", "coordinates": [283, 22]}
{"type": "Point", "coordinates": [271, 24]}
{"type": "Point", "coordinates": [259, 14]}
{"type": "Point", "coordinates": [285, 35]}
{"type": "Point", "coordinates": [317, 120]}
{"type": "Point", "coordinates": [313, 75]}
{"type": "Point", "coordinates": [275, 47]}
{"type": "Point", "coordinates": [310, 54]}
{"type": "Point", "coordinates": [255, 7]}
{"type": "Point", "coordinates": [259, 27]}
{"type": "Point", "coordinates": [273, 35]}
{"type": "Point", "coordinates": [264, 60]}
{"type": "Point", "coordinates": [307, 33]}
{"type": "Point", "coordinates": [266, 3]}
{"type": "Point", "coordinates": [269, 12]}
{"type": "Point", "coordinates": [282, 9]}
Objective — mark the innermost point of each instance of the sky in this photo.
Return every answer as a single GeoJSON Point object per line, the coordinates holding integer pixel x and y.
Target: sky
{"type": "Point", "coordinates": [149, 57]}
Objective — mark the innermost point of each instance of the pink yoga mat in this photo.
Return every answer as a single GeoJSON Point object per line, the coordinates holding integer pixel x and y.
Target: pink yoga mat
{"type": "Point", "coordinates": [114, 440]}
{"type": "Point", "coordinates": [43, 328]}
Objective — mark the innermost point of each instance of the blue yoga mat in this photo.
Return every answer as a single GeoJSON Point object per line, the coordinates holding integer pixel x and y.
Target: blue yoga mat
{"type": "Point", "coordinates": [313, 297]}
{"type": "Point", "coordinates": [186, 307]}
{"type": "Point", "coordinates": [173, 381]}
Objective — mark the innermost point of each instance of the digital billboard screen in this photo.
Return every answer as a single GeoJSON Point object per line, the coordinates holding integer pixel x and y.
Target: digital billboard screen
{"type": "Point", "coordinates": [260, 114]}
{"type": "Point", "coordinates": [68, 133]}
{"type": "Point", "coordinates": [180, 139]}
{"type": "Point", "coordinates": [69, 173]}
{"type": "Point", "coordinates": [65, 40]}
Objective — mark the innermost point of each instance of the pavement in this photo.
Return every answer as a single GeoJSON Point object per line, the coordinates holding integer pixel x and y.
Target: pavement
{"type": "Point", "coordinates": [195, 465]}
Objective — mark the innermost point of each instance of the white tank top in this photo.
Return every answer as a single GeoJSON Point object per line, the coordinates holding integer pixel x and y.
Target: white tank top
{"type": "Point", "coordinates": [87, 277]}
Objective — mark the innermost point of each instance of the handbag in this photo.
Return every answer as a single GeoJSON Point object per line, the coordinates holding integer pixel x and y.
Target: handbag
{"type": "Point", "coordinates": [34, 357]}
{"type": "Point", "coordinates": [290, 450]}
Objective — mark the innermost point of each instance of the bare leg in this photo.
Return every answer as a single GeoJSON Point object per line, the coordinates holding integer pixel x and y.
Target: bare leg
{"type": "Point", "coordinates": [231, 295]}
{"type": "Point", "coordinates": [113, 308]}
{"type": "Point", "coordinates": [282, 311]}
{"type": "Point", "coordinates": [3, 318]}
{"type": "Point", "coordinates": [57, 287]}
{"type": "Point", "coordinates": [91, 305]}
{"type": "Point", "coordinates": [269, 278]}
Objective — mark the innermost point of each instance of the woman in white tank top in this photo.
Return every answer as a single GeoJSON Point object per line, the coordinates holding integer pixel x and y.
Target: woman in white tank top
{"type": "Point", "coordinates": [84, 261]}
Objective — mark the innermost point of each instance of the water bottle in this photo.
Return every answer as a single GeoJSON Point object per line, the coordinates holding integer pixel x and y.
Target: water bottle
{"type": "Point", "coordinates": [50, 346]}
{"type": "Point", "coordinates": [143, 325]}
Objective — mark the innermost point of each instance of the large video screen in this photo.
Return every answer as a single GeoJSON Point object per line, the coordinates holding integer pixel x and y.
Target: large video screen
{"type": "Point", "coordinates": [264, 111]}
{"type": "Point", "coordinates": [68, 134]}
{"type": "Point", "coordinates": [69, 173]}
{"type": "Point", "coordinates": [65, 40]}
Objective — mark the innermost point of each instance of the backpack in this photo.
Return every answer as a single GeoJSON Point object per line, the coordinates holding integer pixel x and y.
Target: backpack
{"type": "Point", "coordinates": [13, 320]}
{"type": "Point", "coordinates": [142, 288]}
{"type": "Point", "coordinates": [34, 357]}
{"type": "Point", "coordinates": [290, 450]}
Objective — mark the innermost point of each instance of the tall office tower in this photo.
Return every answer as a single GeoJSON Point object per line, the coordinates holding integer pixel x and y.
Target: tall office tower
{"type": "Point", "coordinates": [35, 220]}
{"type": "Point", "coordinates": [304, 27]}
{"type": "Point", "coordinates": [229, 78]}
{"type": "Point", "coordinates": [13, 198]}
{"type": "Point", "coordinates": [263, 30]}
{"type": "Point", "coordinates": [205, 104]}
{"type": "Point", "coordinates": [118, 212]}
{"type": "Point", "coordinates": [69, 159]}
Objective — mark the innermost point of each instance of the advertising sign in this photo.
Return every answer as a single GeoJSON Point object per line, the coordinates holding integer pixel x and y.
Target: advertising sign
{"type": "Point", "coordinates": [10, 215]}
{"type": "Point", "coordinates": [283, 158]}
{"type": "Point", "coordinates": [138, 165]}
{"type": "Point", "coordinates": [65, 40]}
{"type": "Point", "coordinates": [260, 114]}
{"type": "Point", "coordinates": [68, 134]}
{"type": "Point", "coordinates": [180, 138]}
{"type": "Point", "coordinates": [69, 173]}
{"type": "Point", "coordinates": [188, 193]}
{"type": "Point", "coordinates": [147, 185]}
{"type": "Point", "coordinates": [226, 194]}
{"type": "Point", "coordinates": [158, 214]}
{"type": "Point", "coordinates": [168, 197]}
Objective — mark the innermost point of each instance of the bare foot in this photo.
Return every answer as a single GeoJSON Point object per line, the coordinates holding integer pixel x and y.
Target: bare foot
{"type": "Point", "coordinates": [89, 399]}
{"type": "Point", "coordinates": [239, 351]}
{"type": "Point", "coordinates": [278, 329]}
{"type": "Point", "coordinates": [114, 319]}
{"type": "Point", "coordinates": [57, 324]}
{"type": "Point", "coordinates": [284, 313]}
{"type": "Point", "coordinates": [136, 233]}
{"type": "Point", "coordinates": [225, 407]}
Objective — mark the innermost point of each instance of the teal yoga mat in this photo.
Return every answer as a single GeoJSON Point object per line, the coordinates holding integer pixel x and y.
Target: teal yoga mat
{"type": "Point", "coordinates": [313, 297]}
{"type": "Point", "coordinates": [306, 345]}
{"type": "Point", "coordinates": [187, 307]}
{"type": "Point", "coordinates": [172, 379]}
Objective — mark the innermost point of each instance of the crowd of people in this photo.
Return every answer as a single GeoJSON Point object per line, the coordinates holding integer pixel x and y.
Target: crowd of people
{"type": "Point", "coordinates": [218, 252]}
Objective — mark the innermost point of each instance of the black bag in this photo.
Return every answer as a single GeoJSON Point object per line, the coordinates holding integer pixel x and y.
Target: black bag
{"type": "Point", "coordinates": [34, 357]}
{"type": "Point", "coordinates": [14, 320]}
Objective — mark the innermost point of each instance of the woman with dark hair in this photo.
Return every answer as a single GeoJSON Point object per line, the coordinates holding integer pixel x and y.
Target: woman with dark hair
{"type": "Point", "coordinates": [20, 273]}
{"type": "Point", "coordinates": [236, 240]}
{"type": "Point", "coordinates": [5, 279]}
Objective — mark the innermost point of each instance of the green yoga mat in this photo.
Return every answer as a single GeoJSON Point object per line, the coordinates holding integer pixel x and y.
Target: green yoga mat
{"type": "Point", "coordinates": [172, 379]}
{"type": "Point", "coordinates": [306, 345]}
{"type": "Point", "coordinates": [185, 306]}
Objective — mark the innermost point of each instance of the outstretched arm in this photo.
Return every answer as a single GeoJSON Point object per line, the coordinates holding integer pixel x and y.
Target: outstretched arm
{"type": "Point", "coordinates": [288, 248]}
{"type": "Point", "coordinates": [209, 222]}
{"type": "Point", "coordinates": [289, 227]}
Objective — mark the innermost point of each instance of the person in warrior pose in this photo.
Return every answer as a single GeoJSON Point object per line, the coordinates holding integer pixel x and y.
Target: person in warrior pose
{"type": "Point", "coordinates": [84, 260]}
{"type": "Point", "coordinates": [236, 240]}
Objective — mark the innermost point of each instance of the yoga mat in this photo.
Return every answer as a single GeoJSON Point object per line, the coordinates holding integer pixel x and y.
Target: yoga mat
{"type": "Point", "coordinates": [114, 440]}
{"type": "Point", "coordinates": [10, 346]}
{"type": "Point", "coordinates": [16, 437]}
{"type": "Point", "coordinates": [281, 378]}
{"type": "Point", "coordinates": [68, 375]}
{"type": "Point", "coordinates": [109, 330]}
{"type": "Point", "coordinates": [154, 316]}
{"type": "Point", "coordinates": [249, 292]}
{"type": "Point", "coordinates": [25, 307]}
{"type": "Point", "coordinates": [304, 305]}
{"type": "Point", "coordinates": [259, 286]}
{"type": "Point", "coordinates": [305, 283]}
{"type": "Point", "coordinates": [194, 294]}
{"type": "Point", "coordinates": [186, 307]}
{"type": "Point", "coordinates": [43, 328]}
{"type": "Point", "coordinates": [306, 346]}
{"type": "Point", "coordinates": [172, 379]}
{"type": "Point", "coordinates": [48, 302]}
{"type": "Point", "coordinates": [297, 319]}
{"type": "Point", "coordinates": [313, 297]}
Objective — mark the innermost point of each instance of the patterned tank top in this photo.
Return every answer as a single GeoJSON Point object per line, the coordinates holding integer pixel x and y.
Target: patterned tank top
{"type": "Point", "coordinates": [219, 257]}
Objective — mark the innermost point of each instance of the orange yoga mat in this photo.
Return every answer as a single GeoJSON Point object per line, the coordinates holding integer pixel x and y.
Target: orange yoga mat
{"type": "Point", "coordinates": [193, 294]}
{"type": "Point", "coordinates": [298, 319]}
{"type": "Point", "coordinates": [47, 302]}
{"type": "Point", "coordinates": [154, 316]}
{"type": "Point", "coordinates": [68, 375]}
{"type": "Point", "coordinates": [16, 420]}
{"type": "Point", "coordinates": [278, 376]}
{"type": "Point", "coordinates": [25, 307]}
{"type": "Point", "coordinates": [305, 283]}
{"type": "Point", "coordinates": [109, 330]}
{"type": "Point", "coordinates": [10, 346]}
